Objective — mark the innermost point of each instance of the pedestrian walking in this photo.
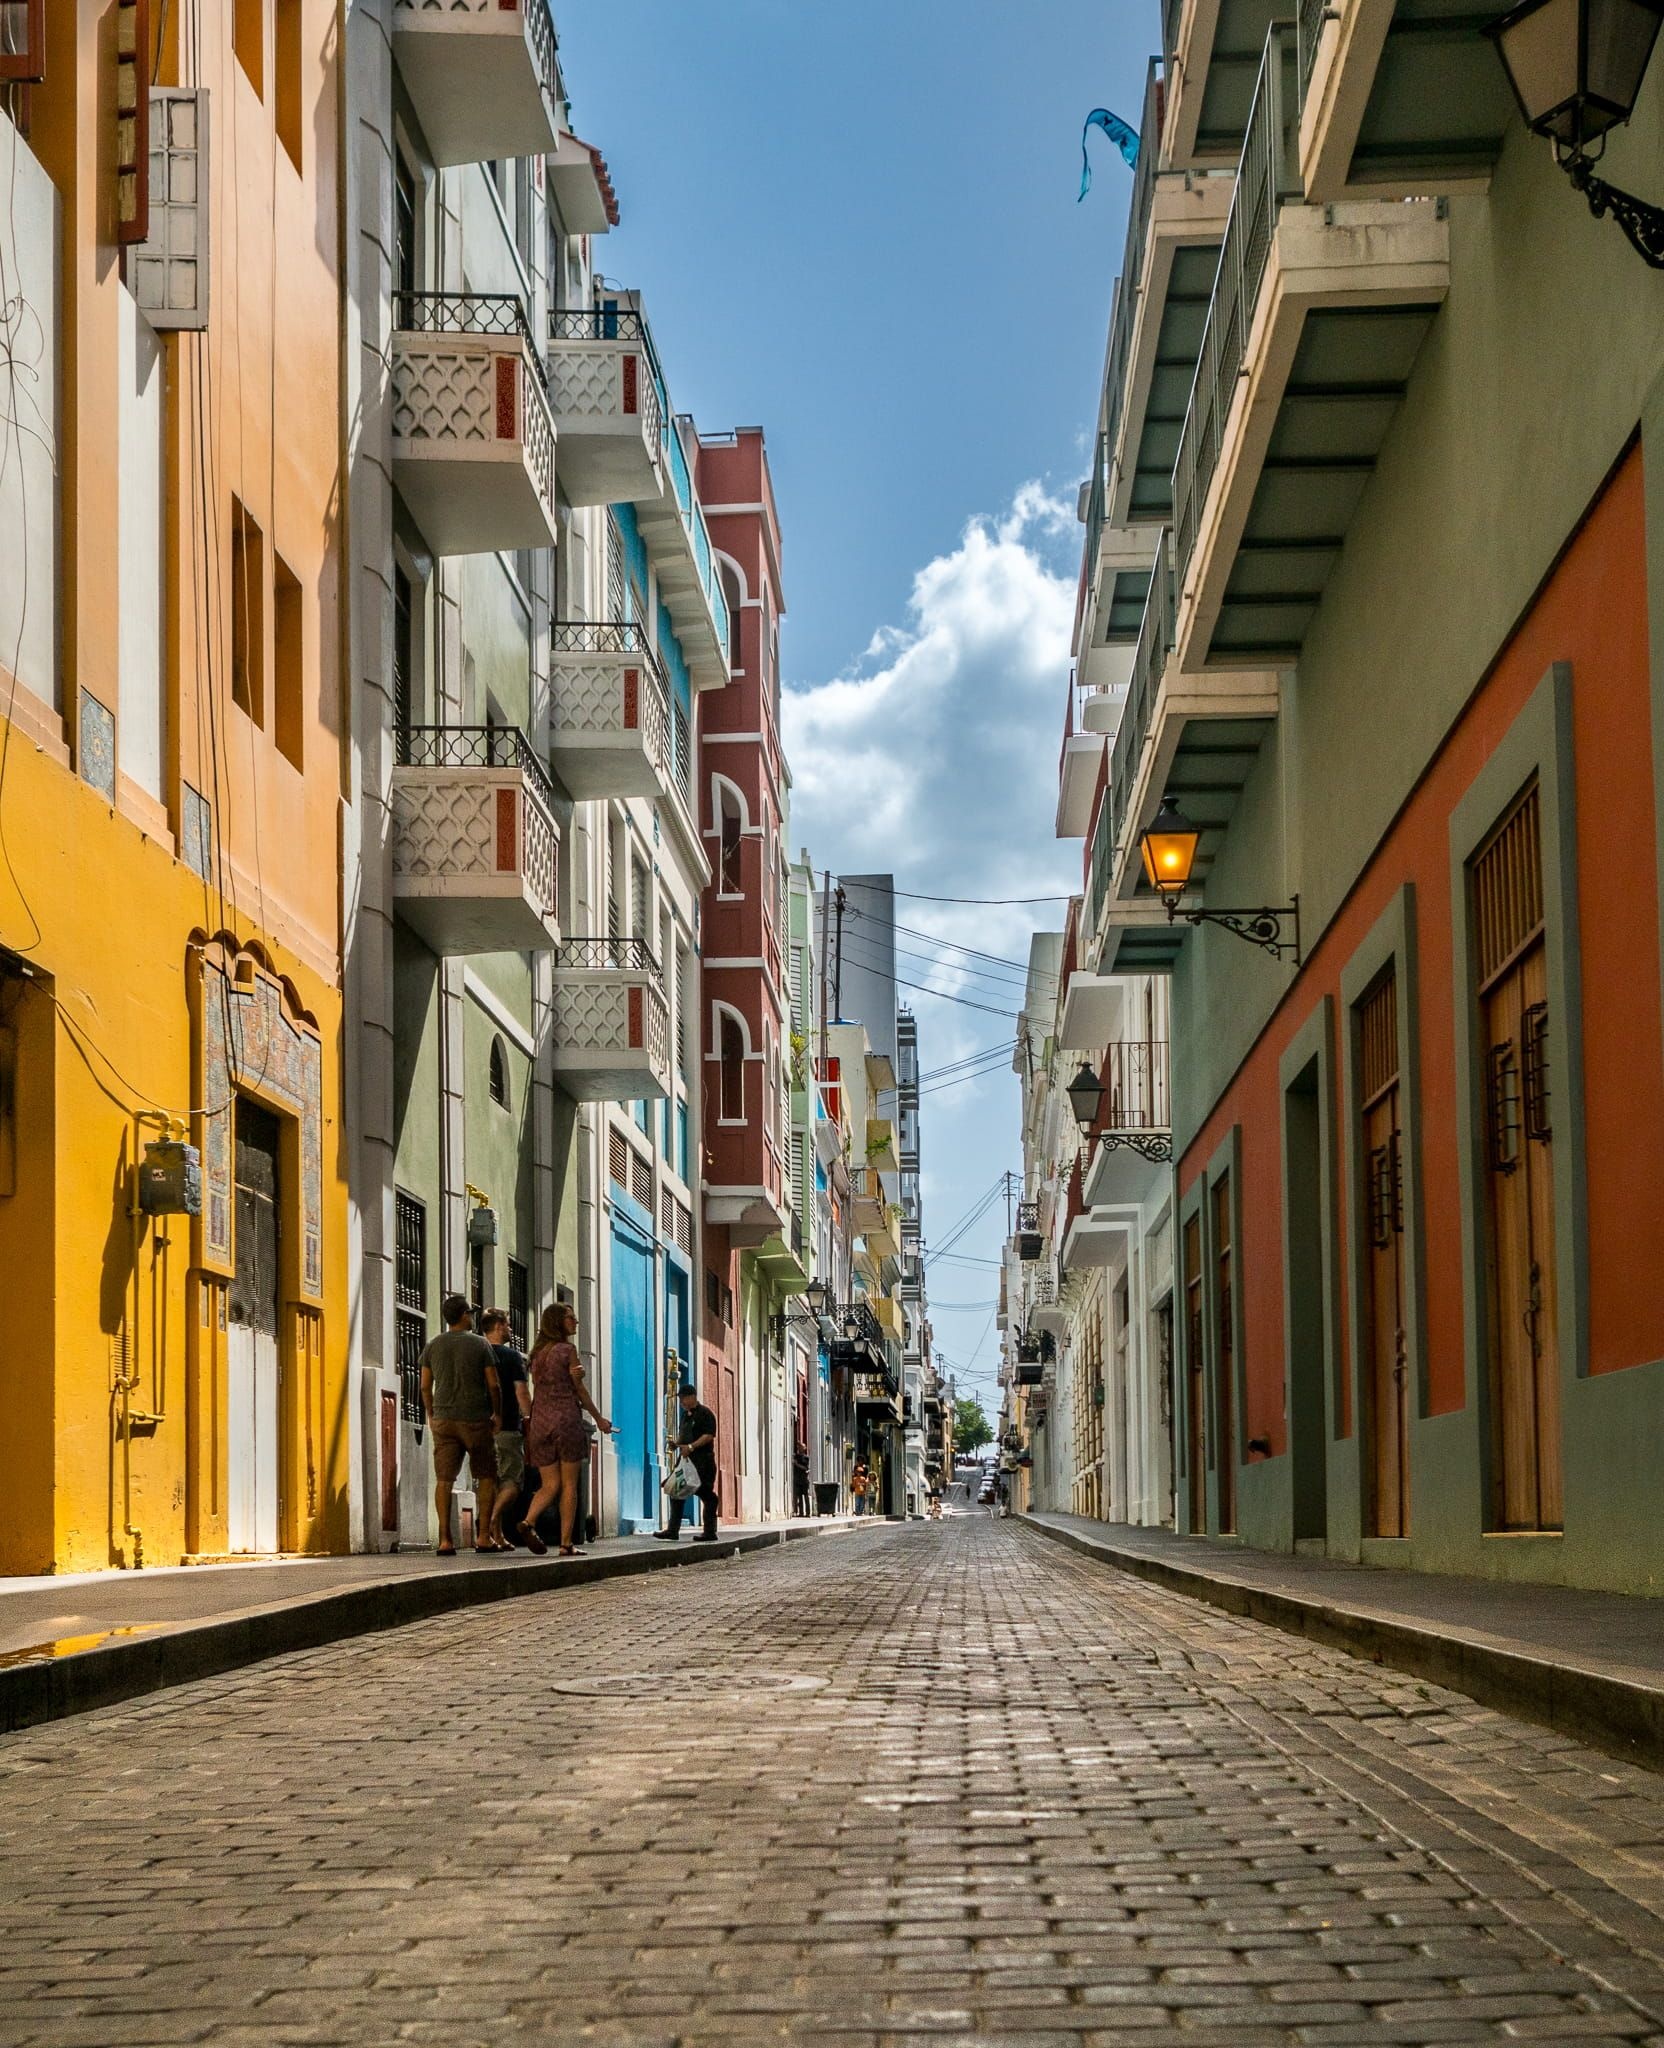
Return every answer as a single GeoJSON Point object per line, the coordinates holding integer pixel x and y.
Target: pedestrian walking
{"type": "Point", "coordinates": [515, 1392]}
{"type": "Point", "coordinates": [556, 1440]}
{"type": "Point", "coordinates": [464, 1408]}
{"type": "Point", "coordinates": [696, 1441]}
{"type": "Point", "coordinates": [859, 1483]}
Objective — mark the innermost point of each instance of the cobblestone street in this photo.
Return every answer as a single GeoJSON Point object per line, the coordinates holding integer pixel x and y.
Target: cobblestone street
{"type": "Point", "coordinates": [927, 1783]}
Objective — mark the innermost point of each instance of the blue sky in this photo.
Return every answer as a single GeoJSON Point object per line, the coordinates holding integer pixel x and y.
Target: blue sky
{"type": "Point", "coordinates": [856, 226]}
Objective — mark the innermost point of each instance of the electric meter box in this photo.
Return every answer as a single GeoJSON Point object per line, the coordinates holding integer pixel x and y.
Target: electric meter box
{"type": "Point", "coordinates": [170, 1179]}
{"type": "Point", "coordinates": [482, 1225]}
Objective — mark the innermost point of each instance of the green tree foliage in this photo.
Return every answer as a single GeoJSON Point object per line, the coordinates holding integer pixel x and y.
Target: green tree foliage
{"type": "Point", "coordinates": [970, 1425]}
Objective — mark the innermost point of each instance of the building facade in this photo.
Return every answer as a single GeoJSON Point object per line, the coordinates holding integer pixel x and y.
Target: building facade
{"type": "Point", "coordinates": [1395, 659]}
{"type": "Point", "coordinates": [173, 1194]}
{"type": "Point", "coordinates": [756, 1362]}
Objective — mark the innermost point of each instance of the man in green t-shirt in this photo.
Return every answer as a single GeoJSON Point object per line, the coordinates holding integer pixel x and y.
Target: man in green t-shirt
{"type": "Point", "coordinates": [464, 1405]}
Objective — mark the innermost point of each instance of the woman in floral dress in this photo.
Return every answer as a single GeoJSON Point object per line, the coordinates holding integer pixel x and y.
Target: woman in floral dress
{"type": "Point", "coordinates": [556, 1441]}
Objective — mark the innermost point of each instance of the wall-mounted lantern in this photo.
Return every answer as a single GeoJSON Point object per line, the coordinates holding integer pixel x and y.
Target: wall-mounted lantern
{"type": "Point", "coordinates": [1169, 844]}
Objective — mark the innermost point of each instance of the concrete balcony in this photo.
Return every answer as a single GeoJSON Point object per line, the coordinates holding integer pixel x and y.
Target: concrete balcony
{"type": "Point", "coordinates": [473, 440]}
{"type": "Point", "coordinates": [611, 731]}
{"type": "Point", "coordinates": [607, 397]}
{"type": "Point", "coordinates": [673, 525]}
{"type": "Point", "coordinates": [1318, 314]}
{"type": "Point", "coordinates": [1047, 1309]}
{"type": "Point", "coordinates": [611, 1029]}
{"type": "Point", "coordinates": [881, 1145]}
{"type": "Point", "coordinates": [1077, 781]}
{"type": "Point", "coordinates": [475, 844]}
{"type": "Point", "coordinates": [482, 76]}
{"type": "Point", "coordinates": [581, 186]}
{"type": "Point", "coordinates": [1212, 53]}
{"type": "Point", "coordinates": [751, 1215]}
{"type": "Point", "coordinates": [1114, 577]}
{"type": "Point", "coordinates": [1134, 1132]}
{"type": "Point", "coordinates": [1174, 230]}
{"type": "Point", "coordinates": [1196, 735]}
{"type": "Point", "coordinates": [870, 1206]}
{"type": "Point", "coordinates": [1398, 98]}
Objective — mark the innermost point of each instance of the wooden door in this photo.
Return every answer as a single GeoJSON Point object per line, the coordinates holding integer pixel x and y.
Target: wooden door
{"type": "Point", "coordinates": [1524, 1360]}
{"type": "Point", "coordinates": [1386, 1354]}
{"type": "Point", "coordinates": [728, 1443]}
{"type": "Point", "coordinates": [252, 1355]}
{"type": "Point", "coordinates": [1224, 1391]}
{"type": "Point", "coordinates": [1195, 1378]}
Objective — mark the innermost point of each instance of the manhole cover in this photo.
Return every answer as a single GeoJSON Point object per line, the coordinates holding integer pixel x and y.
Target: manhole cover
{"type": "Point", "coordinates": [704, 1683]}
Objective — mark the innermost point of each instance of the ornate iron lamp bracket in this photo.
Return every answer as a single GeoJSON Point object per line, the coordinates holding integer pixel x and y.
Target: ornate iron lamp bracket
{"type": "Point", "coordinates": [1276, 931]}
{"type": "Point", "coordinates": [1155, 1146]}
{"type": "Point", "coordinates": [1643, 223]}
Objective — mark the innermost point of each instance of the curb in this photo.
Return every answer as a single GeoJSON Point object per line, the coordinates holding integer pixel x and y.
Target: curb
{"type": "Point", "coordinates": [52, 1688]}
{"type": "Point", "coordinates": [1615, 1714]}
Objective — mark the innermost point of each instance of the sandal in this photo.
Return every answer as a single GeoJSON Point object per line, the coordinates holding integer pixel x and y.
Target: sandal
{"type": "Point", "coordinates": [446, 1550]}
{"type": "Point", "coordinates": [532, 1540]}
{"type": "Point", "coordinates": [570, 1550]}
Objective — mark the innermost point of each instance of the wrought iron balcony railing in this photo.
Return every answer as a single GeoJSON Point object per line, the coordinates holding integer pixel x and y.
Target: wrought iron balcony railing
{"type": "Point", "coordinates": [628, 956]}
{"type": "Point", "coordinates": [1149, 663]}
{"type": "Point", "coordinates": [1134, 1074]}
{"type": "Point", "coordinates": [474, 746]}
{"type": "Point", "coordinates": [468, 313]}
{"type": "Point", "coordinates": [1268, 173]}
{"type": "Point", "coordinates": [604, 636]}
{"type": "Point", "coordinates": [1309, 29]}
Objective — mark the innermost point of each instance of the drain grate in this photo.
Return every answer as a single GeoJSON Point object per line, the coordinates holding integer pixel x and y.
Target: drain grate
{"type": "Point", "coordinates": [688, 1684]}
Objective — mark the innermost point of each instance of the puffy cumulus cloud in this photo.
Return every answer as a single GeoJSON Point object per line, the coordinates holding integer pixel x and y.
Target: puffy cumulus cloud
{"type": "Point", "coordinates": [935, 758]}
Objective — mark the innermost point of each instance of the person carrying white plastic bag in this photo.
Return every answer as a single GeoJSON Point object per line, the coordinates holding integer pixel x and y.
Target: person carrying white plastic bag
{"type": "Point", "coordinates": [696, 1444]}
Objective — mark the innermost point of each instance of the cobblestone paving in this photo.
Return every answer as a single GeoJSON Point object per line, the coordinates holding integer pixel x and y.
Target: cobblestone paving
{"type": "Point", "coordinates": [1013, 1796]}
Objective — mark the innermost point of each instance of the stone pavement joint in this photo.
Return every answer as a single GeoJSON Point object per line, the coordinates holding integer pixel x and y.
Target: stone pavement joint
{"type": "Point", "coordinates": [1031, 1800]}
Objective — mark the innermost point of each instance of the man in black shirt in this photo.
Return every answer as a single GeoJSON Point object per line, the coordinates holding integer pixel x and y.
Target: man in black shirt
{"type": "Point", "coordinates": [696, 1440]}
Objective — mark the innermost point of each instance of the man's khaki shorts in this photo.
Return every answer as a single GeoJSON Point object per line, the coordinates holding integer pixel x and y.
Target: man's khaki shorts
{"type": "Point", "coordinates": [453, 1440]}
{"type": "Point", "coordinates": [511, 1458]}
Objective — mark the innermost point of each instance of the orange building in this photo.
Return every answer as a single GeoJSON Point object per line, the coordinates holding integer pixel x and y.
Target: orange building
{"type": "Point", "coordinates": [170, 783]}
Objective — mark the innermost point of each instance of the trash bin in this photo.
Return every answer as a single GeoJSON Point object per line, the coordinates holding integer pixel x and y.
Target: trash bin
{"type": "Point", "coordinates": [826, 1496]}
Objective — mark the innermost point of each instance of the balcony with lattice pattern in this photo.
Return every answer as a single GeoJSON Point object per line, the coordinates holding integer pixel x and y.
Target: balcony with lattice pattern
{"type": "Point", "coordinates": [611, 1037]}
{"type": "Point", "coordinates": [473, 439]}
{"type": "Point", "coordinates": [605, 387]}
{"type": "Point", "coordinates": [475, 843]}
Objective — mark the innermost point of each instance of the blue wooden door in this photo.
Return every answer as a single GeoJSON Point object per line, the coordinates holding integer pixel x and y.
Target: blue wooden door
{"type": "Point", "coordinates": [634, 1391]}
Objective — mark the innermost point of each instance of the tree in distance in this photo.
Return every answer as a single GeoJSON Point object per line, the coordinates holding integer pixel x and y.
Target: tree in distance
{"type": "Point", "coordinates": [970, 1425]}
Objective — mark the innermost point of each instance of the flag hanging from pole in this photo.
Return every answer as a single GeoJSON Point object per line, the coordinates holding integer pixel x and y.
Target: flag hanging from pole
{"type": "Point", "coordinates": [1124, 138]}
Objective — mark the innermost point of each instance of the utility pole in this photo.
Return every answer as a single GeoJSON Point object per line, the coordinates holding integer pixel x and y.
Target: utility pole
{"type": "Point", "coordinates": [838, 958]}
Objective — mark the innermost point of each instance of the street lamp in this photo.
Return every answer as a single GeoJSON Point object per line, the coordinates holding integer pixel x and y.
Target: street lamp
{"type": "Point", "coordinates": [1168, 844]}
{"type": "Point", "coordinates": [1576, 68]}
{"type": "Point", "coordinates": [1086, 1098]}
{"type": "Point", "coordinates": [816, 1297]}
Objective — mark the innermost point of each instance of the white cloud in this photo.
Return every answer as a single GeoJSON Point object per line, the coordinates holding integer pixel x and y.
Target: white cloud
{"type": "Point", "coordinates": [935, 758]}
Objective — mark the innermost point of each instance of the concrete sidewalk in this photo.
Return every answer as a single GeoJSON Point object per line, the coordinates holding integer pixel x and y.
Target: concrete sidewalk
{"type": "Point", "coordinates": [1591, 1664]}
{"type": "Point", "coordinates": [91, 1638]}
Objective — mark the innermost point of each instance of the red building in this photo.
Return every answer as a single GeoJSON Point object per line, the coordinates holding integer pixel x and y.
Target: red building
{"type": "Point", "coordinates": [752, 1260]}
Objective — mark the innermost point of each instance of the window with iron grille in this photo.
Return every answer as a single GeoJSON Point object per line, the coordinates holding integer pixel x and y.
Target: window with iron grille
{"type": "Point", "coordinates": [410, 1298]}
{"type": "Point", "coordinates": [519, 1305]}
{"type": "Point", "coordinates": [476, 1281]}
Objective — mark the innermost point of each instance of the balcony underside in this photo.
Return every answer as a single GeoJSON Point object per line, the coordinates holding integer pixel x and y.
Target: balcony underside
{"type": "Point", "coordinates": [1122, 1178]}
{"type": "Point", "coordinates": [1211, 73]}
{"type": "Point", "coordinates": [1187, 225]}
{"type": "Point", "coordinates": [1138, 939]}
{"type": "Point", "coordinates": [1091, 1013]}
{"type": "Point", "coordinates": [782, 1267]}
{"type": "Point", "coordinates": [473, 78]}
{"type": "Point", "coordinates": [1113, 605]}
{"type": "Point", "coordinates": [680, 587]}
{"type": "Point", "coordinates": [457, 916]}
{"type": "Point", "coordinates": [471, 497]}
{"type": "Point", "coordinates": [1083, 754]}
{"type": "Point", "coordinates": [1091, 1240]}
{"type": "Point", "coordinates": [1405, 96]}
{"type": "Point", "coordinates": [1346, 302]}
{"type": "Point", "coordinates": [1204, 735]}
{"type": "Point", "coordinates": [750, 1215]}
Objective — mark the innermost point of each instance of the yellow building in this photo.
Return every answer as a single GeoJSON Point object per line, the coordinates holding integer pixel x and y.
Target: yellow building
{"type": "Point", "coordinates": [170, 781]}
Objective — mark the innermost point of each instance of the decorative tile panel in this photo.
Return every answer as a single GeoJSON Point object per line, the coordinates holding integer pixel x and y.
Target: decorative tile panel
{"type": "Point", "coordinates": [251, 1038]}
{"type": "Point", "coordinates": [98, 745]}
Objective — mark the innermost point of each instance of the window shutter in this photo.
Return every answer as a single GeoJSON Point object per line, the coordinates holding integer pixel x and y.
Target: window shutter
{"type": "Point", "coordinates": [169, 268]}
